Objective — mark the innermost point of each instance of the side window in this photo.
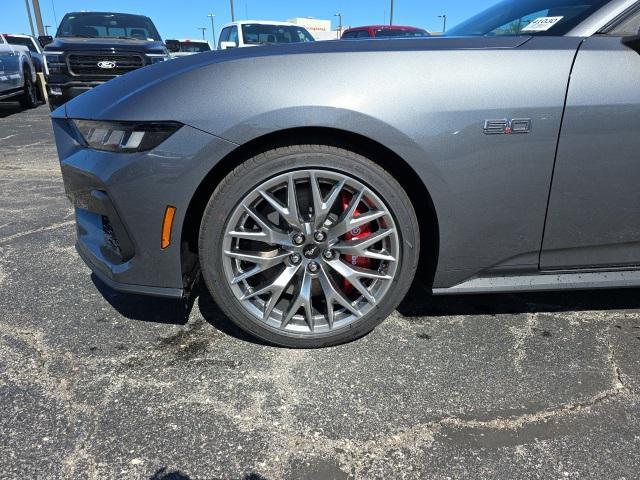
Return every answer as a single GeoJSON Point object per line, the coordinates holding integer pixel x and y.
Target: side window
{"type": "Point", "coordinates": [224, 35]}
{"type": "Point", "coordinates": [233, 35]}
{"type": "Point", "coordinates": [628, 27]}
{"type": "Point", "coordinates": [349, 35]}
{"type": "Point", "coordinates": [363, 34]}
{"type": "Point", "coordinates": [1, 40]}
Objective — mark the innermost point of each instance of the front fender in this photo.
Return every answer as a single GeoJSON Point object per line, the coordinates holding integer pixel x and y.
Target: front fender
{"type": "Point", "coordinates": [352, 122]}
{"type": "Point", "coordinates": [27, 63]}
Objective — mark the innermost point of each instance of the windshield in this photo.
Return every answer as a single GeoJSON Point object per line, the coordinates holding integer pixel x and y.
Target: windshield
{"type": "Point", "coordinates": [398, 33]}
{"type": "Point", "coordinates": [24, 41]}
{"type": "Point", "coordinates": [107, 25]}
{"type": "Point", "coordinates": [194, 47]}
{"type": "Point", "coordinates": [528, 17]}
{"type": "Point", "coordinates": [256, 34]}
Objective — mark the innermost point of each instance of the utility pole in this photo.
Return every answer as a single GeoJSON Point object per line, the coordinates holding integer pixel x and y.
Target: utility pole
{"type": "Point", "coordinates": [444, 22]}
{"type": "Point", "coordinates": [33, 33]}
{"type": "Point", "coordinates": [391, 14]}
{"type": "Point", "coordinates": [233, 15]}
{"type": "Point", "coordinates": [213, 30]}
{"type": "Point", "coordinates": [203, 30]}
{"type": "Point", "coordinates": [339, 15]}
{"type": "Point", "coordinates": [38, 15]}
{"type": "Point", "coordinates": [46, 29]}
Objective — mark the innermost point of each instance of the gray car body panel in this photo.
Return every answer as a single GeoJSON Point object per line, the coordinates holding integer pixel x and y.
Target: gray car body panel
{"type": "Point", "coordinates": [594, 207]}
{"type": "Point", "coordinates": [140, 186]}
{"type": "Point", "coordinates": [425, 99]}
{"type": "Point", "coordinates": [479, 184]}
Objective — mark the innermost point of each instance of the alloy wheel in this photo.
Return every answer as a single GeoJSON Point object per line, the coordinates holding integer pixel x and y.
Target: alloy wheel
{"type": "Point", "coordinates": [310, 251]}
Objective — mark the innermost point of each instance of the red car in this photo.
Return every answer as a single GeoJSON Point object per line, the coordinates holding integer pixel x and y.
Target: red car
{"type": "Point", "coordinates": [383, 31]}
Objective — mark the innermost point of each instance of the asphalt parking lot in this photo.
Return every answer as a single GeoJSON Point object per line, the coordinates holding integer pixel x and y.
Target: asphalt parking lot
{"type": "Point", "coordinates": [97, 384]}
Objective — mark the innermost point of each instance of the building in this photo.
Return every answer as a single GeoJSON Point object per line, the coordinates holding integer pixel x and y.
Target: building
{"type": "Point", "coordinates": [320, 29]}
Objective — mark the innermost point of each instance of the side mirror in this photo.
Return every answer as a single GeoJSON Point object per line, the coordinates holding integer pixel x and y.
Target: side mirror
{"type": "Point", "coordinates": [225, 45]}
{"type": "Point", "coordinates": [45, 40]}
{"type": "Point", "coordinates": [172, 45]}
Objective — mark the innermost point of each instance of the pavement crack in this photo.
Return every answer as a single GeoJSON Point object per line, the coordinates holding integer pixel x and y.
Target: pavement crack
{"type": "Point", "coordinates": [521, 334]}
{"type": "Point", "coordinates": [80, 451]}
{"type": "Point", "coordinates": [618, 381]}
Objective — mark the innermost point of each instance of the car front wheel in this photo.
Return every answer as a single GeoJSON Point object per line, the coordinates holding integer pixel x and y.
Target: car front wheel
{"type": "Point", "coordinates": [308, 246]}
{"type": "Point", "coordinates": [29, 97]}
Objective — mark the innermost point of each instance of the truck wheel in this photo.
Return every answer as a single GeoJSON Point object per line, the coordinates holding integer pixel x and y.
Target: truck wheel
{"type": "Point", "coordinates": [309, 246]}
{"type": "Point", "coordinates": [29, 98]}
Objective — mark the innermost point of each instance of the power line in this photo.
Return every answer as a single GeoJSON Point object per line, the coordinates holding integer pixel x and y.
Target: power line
{"type": "Point", "coordinates": [55, 18]}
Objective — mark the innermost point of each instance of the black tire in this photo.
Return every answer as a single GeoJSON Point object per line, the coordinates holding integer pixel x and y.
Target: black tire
{"type": "Point", "coordinates": [29, 98]}
{"type": "Point", "coordinates": [253, 172]}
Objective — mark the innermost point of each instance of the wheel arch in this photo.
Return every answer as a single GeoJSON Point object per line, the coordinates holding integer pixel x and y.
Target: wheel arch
{"type": "Point", "coordinates": [399, 168]}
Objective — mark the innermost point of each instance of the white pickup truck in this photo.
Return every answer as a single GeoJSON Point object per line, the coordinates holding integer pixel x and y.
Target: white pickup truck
{"type": "Point", "coordinates": [17, 75]}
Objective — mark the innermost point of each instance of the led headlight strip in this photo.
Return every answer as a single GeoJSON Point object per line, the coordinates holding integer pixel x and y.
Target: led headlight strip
{"type": "Point", "coordinates": [124, 137]}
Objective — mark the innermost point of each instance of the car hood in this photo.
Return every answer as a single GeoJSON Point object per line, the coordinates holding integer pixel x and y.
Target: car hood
{"type": "Point", "coordinates": [104, 44]}
{"type": "Point", "coordinates": [218, 69]}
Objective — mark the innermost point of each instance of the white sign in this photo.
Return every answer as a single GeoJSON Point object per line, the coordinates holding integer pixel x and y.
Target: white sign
{"type": "Point", "coordinates": [542, 24]}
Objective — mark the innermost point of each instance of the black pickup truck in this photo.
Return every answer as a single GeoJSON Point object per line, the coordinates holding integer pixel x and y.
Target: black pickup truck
{"type": "Point", "coordinates": [91, 48]}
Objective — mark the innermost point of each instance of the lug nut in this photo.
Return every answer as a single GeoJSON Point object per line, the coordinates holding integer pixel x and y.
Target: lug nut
{"type": "Point", "coordinates": [298, 239]}
{"type": "Point", "coordinates": [295, 258]}
{"type": "Point", "coordinates": [313, 267]}
{"type": "Point", "coordinates": [328, 254]}
{"type": "Point", "coordinates": [320, 236]}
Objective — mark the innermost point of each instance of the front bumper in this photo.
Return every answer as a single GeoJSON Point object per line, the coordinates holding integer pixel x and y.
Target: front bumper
{"type": "Point", "coordinates": [120, 200]}
{"type": "Point", "coordinates": [60, 94]}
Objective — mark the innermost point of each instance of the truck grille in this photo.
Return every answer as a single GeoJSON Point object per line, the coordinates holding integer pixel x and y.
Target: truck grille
{"type": "Point", "coordinates": [87, 63]}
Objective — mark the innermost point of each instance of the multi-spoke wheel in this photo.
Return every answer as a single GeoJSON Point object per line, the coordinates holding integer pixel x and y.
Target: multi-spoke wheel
{"type": "Point", "coordinates": [305, 253]}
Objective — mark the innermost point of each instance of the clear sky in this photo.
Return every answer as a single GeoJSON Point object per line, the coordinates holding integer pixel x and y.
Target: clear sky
{"type": "Point", "coordinates": [181, 18]}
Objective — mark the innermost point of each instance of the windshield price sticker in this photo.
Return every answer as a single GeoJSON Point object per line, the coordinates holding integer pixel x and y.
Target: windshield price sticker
{"type": "Point", "coordinates": [542, 24]}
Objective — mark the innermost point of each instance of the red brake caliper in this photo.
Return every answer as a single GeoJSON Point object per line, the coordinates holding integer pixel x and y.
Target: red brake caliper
{"type": "Point", "coordinates": [354, 234]}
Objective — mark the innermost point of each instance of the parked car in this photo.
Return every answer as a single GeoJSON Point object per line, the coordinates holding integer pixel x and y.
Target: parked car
{"type": "Point", "coordinates": [250, 33]}
{"type": "Point", "coordinates": [383, 31]}
{"type": "Point", "coordinates": [32, 44]}
{"type": "Point", "coordinates": [503, 158]}
{"type": "Point", "coordinates": [17, 75]}
{"type": "Point", "coordinates": [91, 48]}
{"type": "Point", "coordinates": [186, 47]}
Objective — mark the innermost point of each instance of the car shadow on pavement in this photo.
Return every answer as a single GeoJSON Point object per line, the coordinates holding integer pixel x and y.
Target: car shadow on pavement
{"type": "Point", "coordinates": [165, 474]}
{"type": "Point", "coordinates": [170, 311]}
{"type": "Point", "coordinates": [8, 109]}
{"type": "Point", "coordinates": [420, 303]}
{"type": "Point", "coordinates": [145, 308]}
{"type": "Point", "coordinates": [216, 317]}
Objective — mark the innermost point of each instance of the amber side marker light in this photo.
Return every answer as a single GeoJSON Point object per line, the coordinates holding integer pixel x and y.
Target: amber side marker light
{"type": "Point", "coordinates": [167, 224]}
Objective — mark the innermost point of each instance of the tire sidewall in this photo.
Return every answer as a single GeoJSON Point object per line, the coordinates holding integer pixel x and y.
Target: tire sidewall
{"type": "Point", "coordinates": [27, 101]}
{"type": "Point", "coordinates": [255, 171]}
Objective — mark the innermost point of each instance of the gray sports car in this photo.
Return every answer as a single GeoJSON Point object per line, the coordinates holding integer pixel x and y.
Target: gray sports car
{"type": "Point", "coordinates": [309, 183]}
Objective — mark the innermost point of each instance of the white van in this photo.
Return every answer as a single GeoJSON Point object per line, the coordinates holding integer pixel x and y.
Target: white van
{"type": "Point", "coordinates": [250, 33]}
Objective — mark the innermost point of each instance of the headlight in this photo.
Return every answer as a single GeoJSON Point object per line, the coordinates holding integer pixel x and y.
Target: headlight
{"type": "Point", "coordinates": [157, 57]}
{"type": "Point", "coordinates": [54, 60]}
{"type": "Point", "coordinates": [125, 137]}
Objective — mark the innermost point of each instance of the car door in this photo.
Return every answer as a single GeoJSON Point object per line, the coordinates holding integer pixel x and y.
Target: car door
{"type": "Point", "coordinates": [593, 216]}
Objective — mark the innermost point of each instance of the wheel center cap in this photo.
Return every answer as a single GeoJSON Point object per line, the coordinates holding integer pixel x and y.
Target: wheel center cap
{"type": "Point", "coordinates": [311, 251]}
